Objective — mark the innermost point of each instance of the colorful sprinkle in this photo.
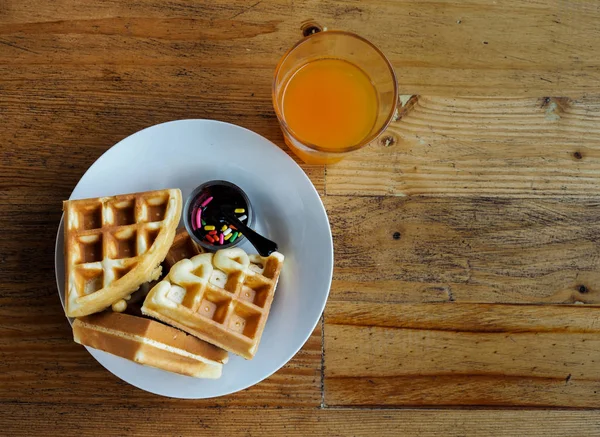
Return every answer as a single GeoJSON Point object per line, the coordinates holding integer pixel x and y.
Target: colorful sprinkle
{"type": "Point", "coordinates": [210, 224]}
{"type": "Point", "coordinates": [206, 202]}
{"type": "Point", "coordinates": [200, 199]}
{"type": "Point", "coordinates": [199, 218]}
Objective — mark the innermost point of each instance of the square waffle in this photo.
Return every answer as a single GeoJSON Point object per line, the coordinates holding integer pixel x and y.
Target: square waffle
{"type": "Point", "coordinates": [151, 343]}
{"type": "Point", "coordinates": [115, 244]}
{"type": "Point", "coordinates": [183, 247]}
{"type": "Point", "coordinates": [223, 298]}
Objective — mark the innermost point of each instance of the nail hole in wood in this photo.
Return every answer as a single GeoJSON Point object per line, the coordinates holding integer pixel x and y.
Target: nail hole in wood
{"type": "Point", "coordinates": [310, 28]}
{"type": "Point", "coordinates": [387, 141]}
{"type": "Point", "coordinates": [396, 235]}
{"type": "Point", "coordinates": [583, 289]}
{"type": "Point", "coordinates": [577, 155]}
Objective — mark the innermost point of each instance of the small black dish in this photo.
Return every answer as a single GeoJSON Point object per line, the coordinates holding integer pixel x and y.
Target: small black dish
{"type": "Point", "coordinates": [219, 215]}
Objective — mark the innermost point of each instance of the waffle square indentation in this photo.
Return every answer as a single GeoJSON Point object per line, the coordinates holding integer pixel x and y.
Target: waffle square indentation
{"type": "Point", "coordinates": [90, 248]}
{"type": "Point", "coordinates": [156, 208]}
{"type": "Point", "coordinates": [123, 244]}
{"type": "Point", "coordinates": [123, 212]}
{"type": "Point", "coordinates": [214, 306]}
{"type": "Point", "coordinates": [90, 217]}
{"type": "Point", "coordinates": [88, 281]}
{"type": "Point", "coordinates": [119, 272]}
{"type": "Point", "coordinates": [271, 268]}
{"type": "Point", "coordinates": [256, 293]}
{"type": "Point", "coordinates": [244, 320]}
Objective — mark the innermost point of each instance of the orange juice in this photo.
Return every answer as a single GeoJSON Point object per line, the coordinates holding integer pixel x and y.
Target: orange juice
{"type": "Point", "coordinates": [330, 103]}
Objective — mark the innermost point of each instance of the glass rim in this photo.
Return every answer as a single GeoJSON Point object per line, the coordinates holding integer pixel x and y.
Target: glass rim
{"type": "Point", "coordinates": [368, 138]}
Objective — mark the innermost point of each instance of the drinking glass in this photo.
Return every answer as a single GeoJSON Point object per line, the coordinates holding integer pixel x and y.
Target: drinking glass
{"type": "Point", "coordinates": [347, 47]}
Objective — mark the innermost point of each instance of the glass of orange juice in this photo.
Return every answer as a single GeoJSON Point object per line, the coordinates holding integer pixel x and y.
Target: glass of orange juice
{"type": "Point", "coordinates": [333, 93]}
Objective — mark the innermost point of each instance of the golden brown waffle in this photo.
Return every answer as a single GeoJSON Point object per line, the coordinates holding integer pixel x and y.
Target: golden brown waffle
{"type": "Point", "coordinates": [151, 343]}
{"type": "Point", "coordinates": [115, 244]}
{"type": "Point", "coordinates": [183, 247]}
{"type": "Point", "coordinates": [223, 298]}
{"type": "Point", "coordinates": [134, 300]}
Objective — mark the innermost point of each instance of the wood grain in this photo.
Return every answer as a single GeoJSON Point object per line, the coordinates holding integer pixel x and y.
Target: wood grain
{"type": "Point", "coordinates": [439, 48]}
{"type": "Point", "coordinates": [185, 420]}
{"type": "Point", "coordinates": [423, 249]}
{"type": "Point", "coordinates": [481, 147]}
{"type": "Point", "coordinates": [71, 117]}
{"type": "Point", "coordinates": [467, 317]}
{"type": "Point", "coordinates": [506, 157]}
{"type": "Point", "coordinates": [39, 362]}
{"type": "Point", "coordinates": [492, 355]}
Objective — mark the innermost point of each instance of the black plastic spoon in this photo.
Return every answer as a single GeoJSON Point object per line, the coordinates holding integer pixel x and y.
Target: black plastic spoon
{"type": "Point", "coordinates": [263, 245]}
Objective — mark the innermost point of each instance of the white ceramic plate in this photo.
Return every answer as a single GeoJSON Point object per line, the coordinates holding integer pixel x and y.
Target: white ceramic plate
{"type": "Point", "coordinates": [183, 154]}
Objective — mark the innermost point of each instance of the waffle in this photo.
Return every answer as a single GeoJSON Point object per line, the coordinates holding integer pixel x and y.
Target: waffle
{"type": "Point", "coordinates": [222, 298]}
{"type": "Point", "coordinates": [134, 300]}
{"type": "Point", "coordinates": [183, 247]}
{"type": "Point", "coordinates": [150, 343]}
{"type": "Point", "coordinates": [115, 244]}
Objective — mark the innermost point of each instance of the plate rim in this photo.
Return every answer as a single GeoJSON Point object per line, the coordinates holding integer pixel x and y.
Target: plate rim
{"type": "Point", "coordinates": [330, 255]}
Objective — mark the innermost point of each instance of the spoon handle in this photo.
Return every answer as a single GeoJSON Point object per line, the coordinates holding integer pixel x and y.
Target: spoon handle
{"type": "Point", "coordinates": [263, 245]}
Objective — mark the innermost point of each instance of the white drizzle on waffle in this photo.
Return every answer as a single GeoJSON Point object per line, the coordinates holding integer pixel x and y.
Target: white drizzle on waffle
{"type": "Point", "coordinates": [223, 298]}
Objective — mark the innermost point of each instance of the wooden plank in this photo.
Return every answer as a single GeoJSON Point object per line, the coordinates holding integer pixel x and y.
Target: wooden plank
{"type": "Point", "coordinates": [442, 48]}
{"type": "Point", "coordinates": [186, 420]}
{"type": "Point", "coordinates": [41, 363]}
{"type": "Point", "coordinates": [487, 355]}
{"type": "Point", "coordinates": [467, 317]}
{"type": "Point", "coordinates": [481, 147]}
{"type": "Point", "coordinates": [70, 117]}
{"type": "Point", "coordinates": [422, 249]}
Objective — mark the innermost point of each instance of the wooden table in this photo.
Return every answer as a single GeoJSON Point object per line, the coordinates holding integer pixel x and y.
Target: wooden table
{"type": "Point", "coordinates": [459, 238]}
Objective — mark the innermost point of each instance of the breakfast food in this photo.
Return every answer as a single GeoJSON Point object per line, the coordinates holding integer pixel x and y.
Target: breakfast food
{"type": "Point", "coordinates": [151, 343]}
{"type": "Point", "coordinates": [114, 247]}
{"type": "Point", "coordinates": [134, 299]}
{"type": "Point", "coordinates": [207, 214]}
{"type": "Point", "coordinates": [183, 247]}
{"type": "Point", "coordinates": [115, 244]}
{"type": "Point", "coordinates": [223, 298]}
